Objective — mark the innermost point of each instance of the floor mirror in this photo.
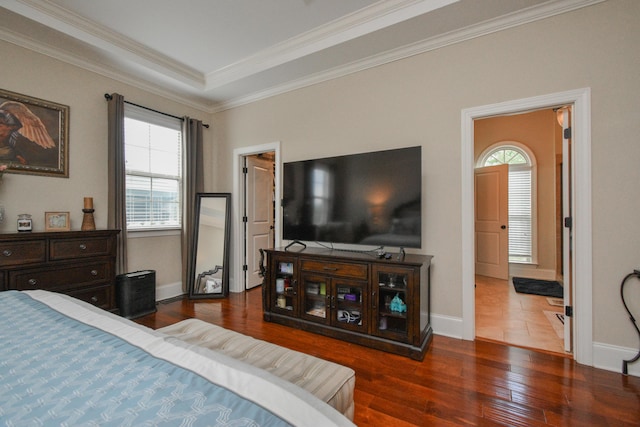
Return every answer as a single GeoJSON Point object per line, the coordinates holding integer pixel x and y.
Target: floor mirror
{"type": "Point", "coordinates": [210, 254]}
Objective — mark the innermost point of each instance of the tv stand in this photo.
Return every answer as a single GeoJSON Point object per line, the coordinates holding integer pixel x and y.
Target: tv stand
{"type": "Point", "coordinates": [295, 242]}
{"type": "Point", "coordinates": [379, 303]}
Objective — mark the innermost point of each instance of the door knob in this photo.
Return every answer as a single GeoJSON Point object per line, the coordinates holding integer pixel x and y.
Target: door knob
{"type": "Point", "coordinates": [503, 227]}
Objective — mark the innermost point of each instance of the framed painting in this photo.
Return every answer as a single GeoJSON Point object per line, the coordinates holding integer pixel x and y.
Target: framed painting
{"type": "Point", "coordinates": [34, 135]}
{"type": "Point", "coordinates": [57, 221]}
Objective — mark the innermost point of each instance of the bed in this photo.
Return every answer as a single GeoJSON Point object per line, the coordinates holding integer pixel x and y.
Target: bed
{"type": "Point", "coordinates": [65, 362]}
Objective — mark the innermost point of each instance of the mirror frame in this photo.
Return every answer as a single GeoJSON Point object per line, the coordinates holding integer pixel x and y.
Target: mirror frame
{"type": "Point", "coordinates": [194, 276]}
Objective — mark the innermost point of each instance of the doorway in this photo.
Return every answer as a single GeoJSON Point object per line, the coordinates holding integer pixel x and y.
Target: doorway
{"type": "Point", "coordinates": [259, 213]}
{"type": "Point", "coordinates": [515, 196]}
{"type": "Point", "coordinates": [256, 190]}
{"type": "Point", "coordinates": [581, 284]}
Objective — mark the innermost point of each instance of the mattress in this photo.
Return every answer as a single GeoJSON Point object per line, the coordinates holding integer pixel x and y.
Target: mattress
{"type": "Point", "coordinates": [330, 382]}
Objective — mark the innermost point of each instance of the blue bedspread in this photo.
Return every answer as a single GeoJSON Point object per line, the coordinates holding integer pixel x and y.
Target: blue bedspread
{"type": "Point", "coordinates": [55, 370]}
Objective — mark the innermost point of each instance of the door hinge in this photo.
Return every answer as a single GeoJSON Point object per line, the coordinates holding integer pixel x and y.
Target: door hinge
{"type": "Point", "coordinates": [245, 219]}
{"type": "Point", "coordinates": [568, 222]}
{"type": "Point", "coordinates": [568, 311]}
{"type": "Point", "coordinates": [245, 170]}
{"type": "Point", "coordinates": [567, 133]}
{"type": "Point", "coordinates": [245, 267]}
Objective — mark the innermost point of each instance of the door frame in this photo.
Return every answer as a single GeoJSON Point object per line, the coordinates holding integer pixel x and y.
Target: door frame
{"type": "Point", "coordinates": [236, 282]}
{"type": "Point", "coordinates": [581, 173]}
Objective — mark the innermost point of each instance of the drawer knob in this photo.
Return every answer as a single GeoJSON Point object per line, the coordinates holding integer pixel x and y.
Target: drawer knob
{"type": "Point", "coordinates": [7, 252]}
{"type": "Point", "coordinates": [83, 246]}
{"type": "Point", "coordinates": [32, 282]}
{"type": "Point", "coordinates": [94, 272]}
{"type": "Point", "coordinates": [94, 299]}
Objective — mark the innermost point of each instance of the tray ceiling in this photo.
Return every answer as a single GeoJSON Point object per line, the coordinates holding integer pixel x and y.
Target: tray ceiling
{"type": "Point", "coordinates": [223, 53]}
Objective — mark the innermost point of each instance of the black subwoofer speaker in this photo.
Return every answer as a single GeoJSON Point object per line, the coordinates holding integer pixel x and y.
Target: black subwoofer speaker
{"type": "Point", "coordinates": [136, 293]}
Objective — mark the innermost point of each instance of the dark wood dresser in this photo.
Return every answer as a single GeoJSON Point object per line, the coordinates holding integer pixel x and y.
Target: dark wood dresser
{"type": "Point", "coordinates": [76, 263]}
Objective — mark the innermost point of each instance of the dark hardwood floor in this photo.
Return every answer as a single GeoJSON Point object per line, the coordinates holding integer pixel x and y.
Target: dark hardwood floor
{"type": "Point", "coordinates": [457, 383]}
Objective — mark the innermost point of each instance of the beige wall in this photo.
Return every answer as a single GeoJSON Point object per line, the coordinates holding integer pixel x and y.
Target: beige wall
{"type": "Point", "coordinates": [419, 100]}
{"type": "Point", "coordinates": [535, 130]}
{"type": "Point", "coordinates": [40, 76]}
{"type": "Point", "coordinates": [414, 101]}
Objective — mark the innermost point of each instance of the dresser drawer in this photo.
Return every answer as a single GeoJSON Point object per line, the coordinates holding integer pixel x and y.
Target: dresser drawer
{"type": "Point", "coordinates": [61, 277]}
{"type": "Point", "coordinates": [61, 249]}
{"type": "Point", "coordinates": [355, 271]}
{"type": "Point", "coordinates": [100, 296]}
{"type": "Point", "coordinates": [20, 253]}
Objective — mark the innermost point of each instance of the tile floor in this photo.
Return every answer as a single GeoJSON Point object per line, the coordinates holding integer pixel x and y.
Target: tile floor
{"type": "Point", "coordinates": [504, 315]}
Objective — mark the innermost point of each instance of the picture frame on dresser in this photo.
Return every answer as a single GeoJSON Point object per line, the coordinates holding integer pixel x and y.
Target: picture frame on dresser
{"type": "Point", "coordinates": [57, 221]}
{"type": "Point", "coordinates": [37, 141]}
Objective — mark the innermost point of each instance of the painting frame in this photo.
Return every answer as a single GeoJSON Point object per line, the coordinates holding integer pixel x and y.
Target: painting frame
{"type": "Point", "coordinates": [34, 135]}
{"type": "Point", "coordinates": [57, 221]}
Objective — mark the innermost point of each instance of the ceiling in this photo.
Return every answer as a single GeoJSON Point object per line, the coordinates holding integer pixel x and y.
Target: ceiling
{"type": "Point", "coordinates": [216, 54]}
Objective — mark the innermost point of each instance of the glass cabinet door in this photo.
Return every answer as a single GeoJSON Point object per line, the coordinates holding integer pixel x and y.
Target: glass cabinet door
{"type": "Point", "coordinates": [391, 305]}
{"type": "Point", "coordinates": [349, 305]}
{"type": "Point", "coordinates": [315, 299]}
{"type": "Point", "coordinates": [286, 292]}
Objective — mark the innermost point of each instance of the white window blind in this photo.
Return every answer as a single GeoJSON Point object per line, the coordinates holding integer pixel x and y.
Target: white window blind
{"type": "Point", "coordinates": [153, 158]}
{"type": "Point", "coordinates": [520, 220]}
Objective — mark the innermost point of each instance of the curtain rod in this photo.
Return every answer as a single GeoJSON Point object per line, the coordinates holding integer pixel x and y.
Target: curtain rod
{"type": "Point", "coordinates": [108, 97]}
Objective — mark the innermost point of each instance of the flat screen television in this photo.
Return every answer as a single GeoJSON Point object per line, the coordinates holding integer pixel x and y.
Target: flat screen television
{"type": "Point", "coordinates": [363, 199]}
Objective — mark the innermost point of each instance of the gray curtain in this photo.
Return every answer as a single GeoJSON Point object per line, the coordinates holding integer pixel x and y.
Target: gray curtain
{"type": "Point", "coordinates": [116, 215]}
{"type": "Point", "coordinates": [193, 183]}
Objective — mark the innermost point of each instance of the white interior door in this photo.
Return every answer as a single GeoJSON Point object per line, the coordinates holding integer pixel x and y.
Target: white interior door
{"type": "Point", "coordinates": [259, 212]}
{"type": "Point", "coordinates": [567, 214]}
{"type": "Point", "coordinates": [491, 221]}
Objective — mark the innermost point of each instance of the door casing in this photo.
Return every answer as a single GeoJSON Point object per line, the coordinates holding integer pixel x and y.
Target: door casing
{"type": "Point", "coordinates": [236, 282]}
{"type": "Point", "coordinates": [581, 270]}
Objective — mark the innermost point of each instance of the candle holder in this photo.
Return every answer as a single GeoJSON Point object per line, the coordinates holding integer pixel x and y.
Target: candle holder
{"type": "Point", "coordinates": [88, 223]}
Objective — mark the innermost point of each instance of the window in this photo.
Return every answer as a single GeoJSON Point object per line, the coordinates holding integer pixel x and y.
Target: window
{"type": "Point", "coordinates": [321, 189]}
{"type": "Point", "coordinates": [521, 200]}
{"type": "Point", "coordinates": [153, 159]}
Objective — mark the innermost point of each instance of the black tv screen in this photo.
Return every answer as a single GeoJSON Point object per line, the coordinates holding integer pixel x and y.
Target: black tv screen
{"type": "Point", "coordinates": [365, 199]}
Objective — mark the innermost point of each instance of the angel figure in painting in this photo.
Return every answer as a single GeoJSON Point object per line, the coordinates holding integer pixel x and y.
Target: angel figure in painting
{"type": "Point", "coordinates": [24, 138]}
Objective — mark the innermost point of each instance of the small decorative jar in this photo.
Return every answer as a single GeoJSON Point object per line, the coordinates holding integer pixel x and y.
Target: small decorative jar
{"type": "Point", "coordinates": [24, 222]}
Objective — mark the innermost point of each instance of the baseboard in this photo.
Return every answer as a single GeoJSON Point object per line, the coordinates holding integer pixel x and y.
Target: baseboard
{"type": "Point", "coordinates": [605, 356]}
{"type": "Point", "coordinates": [447, 326]}
{"type": "Point", "coordinates": [531, 272]}
{"type": "Point", "coordinates": [170, 290]}
{"type": "Point", "coordinates": [609, 357]}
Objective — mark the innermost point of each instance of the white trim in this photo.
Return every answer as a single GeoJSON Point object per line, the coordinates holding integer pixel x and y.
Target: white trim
{"type": "Point", "coordinates": [491, 26]}
{"type": "Point", "coordinates": [138, 67]}
{"type": "Point", "coordinates": [169, 290]}
{"type": "Point", "coordinates": [531, 271]}
{"type": "Point", "coordinates": [605, 356]}
{"type": "Point", "coordinates": [138, 233]}
{"type": "Point", "coordinates": [582, 242]}
{"type": "Point", "coordinates": [447, 326]}
{"type": "Point", "coordinates": [610, 357]}
{"type": "Point", "coordinates": [236, 284]}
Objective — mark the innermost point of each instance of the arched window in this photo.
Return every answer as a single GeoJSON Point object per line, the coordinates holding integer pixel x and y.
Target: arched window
{"type": "Point", "coordinates": [522, 236]}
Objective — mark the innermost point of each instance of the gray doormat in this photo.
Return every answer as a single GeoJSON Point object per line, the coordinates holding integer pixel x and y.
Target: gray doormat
{"type": "Point", "coordinates": [547, 288]}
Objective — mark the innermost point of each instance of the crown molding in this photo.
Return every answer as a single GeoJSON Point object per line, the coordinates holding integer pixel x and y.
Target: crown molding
{"type": "Point", "coordinates": [379, 15]}
{"type": "Point", "coordinates": [52, 15]}
{"type": "Point", "coordinates": [102, 69]}
{"type": "Point", "coordinates": [194, 83]}
{"type": "Point", "coordinates": [515, 19]}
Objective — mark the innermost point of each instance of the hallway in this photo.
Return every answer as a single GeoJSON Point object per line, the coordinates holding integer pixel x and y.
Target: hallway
{"type": "Point", "coordinates": [503, 315]}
